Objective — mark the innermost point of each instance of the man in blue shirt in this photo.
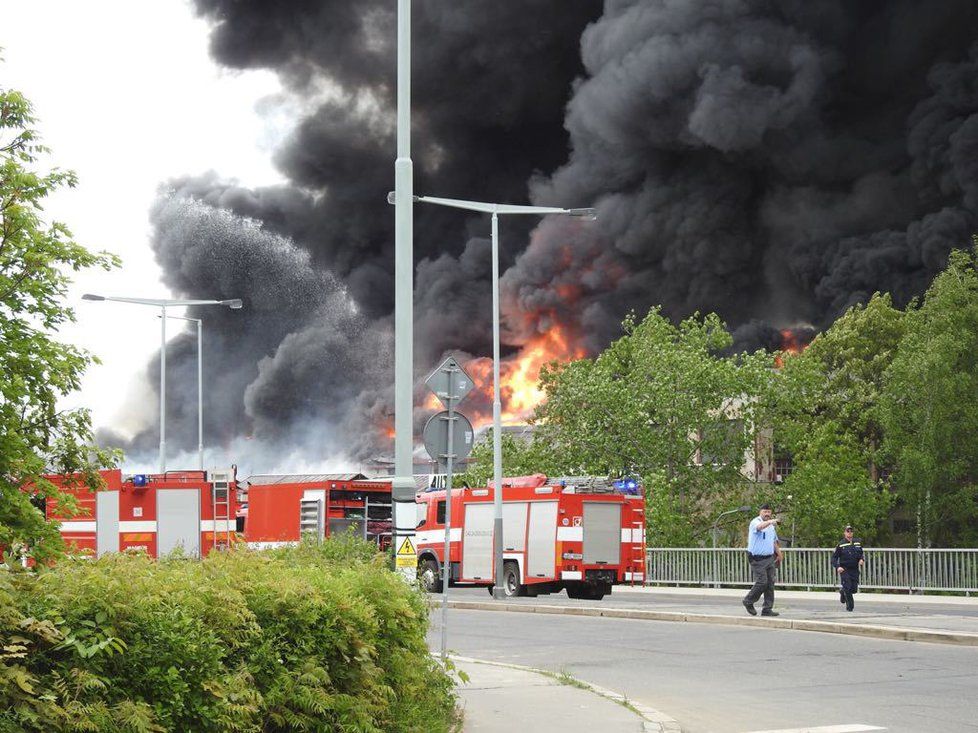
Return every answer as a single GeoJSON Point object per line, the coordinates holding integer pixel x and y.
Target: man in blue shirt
{"type": "Point", "coordinates": [764, 554]}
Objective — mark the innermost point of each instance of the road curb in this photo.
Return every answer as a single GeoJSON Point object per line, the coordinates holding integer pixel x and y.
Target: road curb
{"type": "Point", "coordinates": [653, 721]}
{"type": "Point", "coordinates": [894, 633]}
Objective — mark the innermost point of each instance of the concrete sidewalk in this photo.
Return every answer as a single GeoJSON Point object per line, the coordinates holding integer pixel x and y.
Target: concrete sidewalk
{"type": "Point", "coordinates": [956, 617]}
{"type": "Point", "coordinates": [503, 698]}
{"type": "Point", "coordinates": [938, 619]}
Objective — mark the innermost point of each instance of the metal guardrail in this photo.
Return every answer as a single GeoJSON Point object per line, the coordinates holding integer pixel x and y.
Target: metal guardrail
{"type": "Point", "coordinates": [885, 569]}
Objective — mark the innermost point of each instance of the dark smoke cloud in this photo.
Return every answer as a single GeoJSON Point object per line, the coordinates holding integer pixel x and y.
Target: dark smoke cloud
{"type": "Point", "coordinates": [772, 161]}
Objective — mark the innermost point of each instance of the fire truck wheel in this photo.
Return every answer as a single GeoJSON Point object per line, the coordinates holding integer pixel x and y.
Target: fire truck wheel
{"type": "Point", "coordinates": [429, 576]}
{"type": "Point", "coordinates": [511, 581]}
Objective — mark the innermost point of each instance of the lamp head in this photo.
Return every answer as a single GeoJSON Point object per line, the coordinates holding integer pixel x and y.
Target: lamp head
{"type": "Point", "coordinates": [234, 304]}
{"type": "Point", "coordinates": [392, 198]}
{"type": "Point", "coordinates": [89, 296]}
{"type": "Point", "coordinates": [589, 214]}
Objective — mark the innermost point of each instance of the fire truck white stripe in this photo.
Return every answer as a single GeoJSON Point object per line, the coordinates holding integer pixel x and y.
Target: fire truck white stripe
{"type": "Point", "coordinates": [570, 534]}
{"type": "Point", "coordinates": [634, 576]}
{"type": "Point", "coordinates": [430, 536]}
{"type": "Point", "coordinates": [570, 575]}
{"type": "Point", "coordinates": [626, 536]}
{"type": "Point", "coordinates": [638, 535]}
{"type": "Point", "coordinates": [78, 526]}
{"type": "Point", "coordinates": [223, 525]}
{"type": "Point", "coordinates": [144, 526]}
{"type": "Point", "coordinates": [269, 545]}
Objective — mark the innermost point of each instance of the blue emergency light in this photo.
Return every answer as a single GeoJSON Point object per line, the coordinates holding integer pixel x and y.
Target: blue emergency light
{"type": "Point", "coordinates": [140, 480]}
{"type": "Point", "coordinates": [626, 485]}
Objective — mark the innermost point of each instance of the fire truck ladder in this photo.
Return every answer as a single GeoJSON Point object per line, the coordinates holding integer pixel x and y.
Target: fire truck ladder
{"type": "Point", "coordinates": [221, 503]}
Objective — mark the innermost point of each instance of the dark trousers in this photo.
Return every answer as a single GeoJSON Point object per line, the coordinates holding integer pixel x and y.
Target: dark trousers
{"type": "Point", "coordinates": [764, 571]}
{"type": "Point", "coordinates": [850, 585]}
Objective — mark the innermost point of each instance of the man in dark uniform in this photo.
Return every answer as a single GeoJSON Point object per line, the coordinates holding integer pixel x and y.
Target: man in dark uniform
{"type": "Point", "coordinates": [847, 561]}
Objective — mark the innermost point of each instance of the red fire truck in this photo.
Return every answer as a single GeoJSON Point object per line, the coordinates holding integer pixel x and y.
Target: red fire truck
{"type": "Point", "coordinates": [582, 535]}
{"type": "Point", "coordinates": [156, 513]}
{"type": "Point", "coordinates": [281, 508]}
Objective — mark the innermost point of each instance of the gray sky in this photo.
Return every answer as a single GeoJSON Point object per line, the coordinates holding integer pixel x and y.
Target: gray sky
{"type": "Point", "coordinates": [127, 97]}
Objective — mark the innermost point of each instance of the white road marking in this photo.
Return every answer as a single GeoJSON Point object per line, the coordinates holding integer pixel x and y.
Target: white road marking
{"type": "Point", "coordinates": [851, 728]}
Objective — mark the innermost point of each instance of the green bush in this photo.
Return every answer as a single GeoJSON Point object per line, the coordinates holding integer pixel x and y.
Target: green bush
{"type": "Point", "coordinates": [312, 638]}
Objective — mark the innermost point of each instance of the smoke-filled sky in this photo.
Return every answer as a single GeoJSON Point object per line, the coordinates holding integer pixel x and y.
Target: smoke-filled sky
{"type": "Point", "coordinates": [774, 161]}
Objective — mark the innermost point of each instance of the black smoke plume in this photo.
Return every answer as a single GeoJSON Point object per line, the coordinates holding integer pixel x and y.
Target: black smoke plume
{"type": "Point", "coordinates": [774, 161]}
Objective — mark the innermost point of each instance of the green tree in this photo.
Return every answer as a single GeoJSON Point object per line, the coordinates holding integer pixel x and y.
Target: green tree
{"type": "Point", "coordinates": [521, 457]}
{"type": "Point", "coordinates": [825, 410]}
{"type": "Point", "coordinates": [661, 404]}
{"type": "Point", "coordinates": [36, 258]}
{"type": "Point", "coordinates": [929, 408]}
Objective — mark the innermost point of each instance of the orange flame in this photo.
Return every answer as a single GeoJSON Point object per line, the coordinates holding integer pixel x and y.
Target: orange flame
{"type": "Point", "coordinates": [519, 376]}
{"type": "Point", "coordinates": [791, 344]}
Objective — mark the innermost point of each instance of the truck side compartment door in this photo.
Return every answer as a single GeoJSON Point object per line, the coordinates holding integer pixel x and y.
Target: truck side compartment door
{"type": "Point", "coordinates": [477, 541]}
{"type": "Point", "coordinates": [602, 533]}
{"type": "Point", "coordinates": [540, 551]}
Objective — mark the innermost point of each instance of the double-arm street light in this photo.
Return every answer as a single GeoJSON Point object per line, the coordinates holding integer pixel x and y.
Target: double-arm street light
{"type": "Point", "coordinates": [495, 210]}
{"type": "Point", "coordinates": [163, 304]}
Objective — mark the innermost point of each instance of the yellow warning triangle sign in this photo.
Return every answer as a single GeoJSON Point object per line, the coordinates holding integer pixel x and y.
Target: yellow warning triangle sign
{"type": "Point", "coordinates": [406, 548]}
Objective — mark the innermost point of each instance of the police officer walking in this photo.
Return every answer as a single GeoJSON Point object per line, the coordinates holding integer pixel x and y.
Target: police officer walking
{"type": "Point", "coordinates": [847, 561]}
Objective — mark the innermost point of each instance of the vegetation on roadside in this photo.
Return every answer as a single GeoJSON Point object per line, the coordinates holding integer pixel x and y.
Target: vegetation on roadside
{"type": "Point", "coordinates": [311, 638]}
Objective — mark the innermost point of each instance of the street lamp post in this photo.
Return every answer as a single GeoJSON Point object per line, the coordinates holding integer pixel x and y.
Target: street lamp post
{"type": "Point", "coordinates": [200, 386]}
{"type": "Point", "coordinates": [163, 304]}
{"type": "Point", "coordinates": [403, 489]}
{"type": "Point", "coordinates": [716, 529]}
{"type": "Point", "coordinates": [495, 210]}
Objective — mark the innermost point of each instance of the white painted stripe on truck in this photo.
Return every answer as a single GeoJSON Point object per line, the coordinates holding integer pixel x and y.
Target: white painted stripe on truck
{"type": "Point", "coordinates": [269, 545]}
{"type": "Point", "coordinates": [222, 525]}
{"type": "Point", "coordinates": [78, 526]}
{"type": "Point", "coordinates": [570, 534]}
{"type": "Point", "coordinates": [638, 536]}
{"type": "Point", "coordinates": [430, 536]}
{"type": "Point", "coordinates": [626, 536]}
{"type": "Point", "coordinates": [570, 575]}
{"type": "Point", "coordinates": [634, 576]}
{"type": "Point", "coordinates": [139, 526]}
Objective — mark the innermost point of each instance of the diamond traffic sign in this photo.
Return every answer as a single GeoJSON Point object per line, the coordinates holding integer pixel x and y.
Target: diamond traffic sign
{"type": "Point", "coordinates": [449, 373]}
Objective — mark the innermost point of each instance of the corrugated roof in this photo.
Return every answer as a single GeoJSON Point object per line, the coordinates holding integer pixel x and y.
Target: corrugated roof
{"type": "Point", "coordinates": [301, 478]}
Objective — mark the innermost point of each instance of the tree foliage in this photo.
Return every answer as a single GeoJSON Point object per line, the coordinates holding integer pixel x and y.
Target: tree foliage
{"type": "Point", "coordinates": [36, 259]}
{"type": "Point", "coordinates": [825, 410]}
{"type": "Point", "coordinates": [661, 403]}
{"type": "Point", "coordinates": [929, 409]}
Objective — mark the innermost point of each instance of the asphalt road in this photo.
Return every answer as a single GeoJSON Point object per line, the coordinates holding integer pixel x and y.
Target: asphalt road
{"type": "Point", "coordinates": [725, 679]}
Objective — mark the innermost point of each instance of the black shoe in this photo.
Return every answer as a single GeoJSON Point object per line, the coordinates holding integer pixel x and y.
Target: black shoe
{"type": "Point", "coordinates": [849, 608]}
{"type": "Point", "coordinates": [750, 608]}
{"type": "Point", "coordinates": [842, 596]}
{"type": "Point", "coordinates": [769, 612]}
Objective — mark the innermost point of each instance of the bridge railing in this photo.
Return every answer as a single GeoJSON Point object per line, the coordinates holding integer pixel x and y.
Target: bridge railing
{"type": "Point", "coordinates": [894, 569]}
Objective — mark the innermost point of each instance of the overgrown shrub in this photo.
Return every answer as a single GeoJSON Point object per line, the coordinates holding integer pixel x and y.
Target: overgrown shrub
{"type": "Point", "coordinates": [312, 638]}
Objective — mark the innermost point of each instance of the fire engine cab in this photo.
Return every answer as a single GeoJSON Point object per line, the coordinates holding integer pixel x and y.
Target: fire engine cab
{"type": "Point", "coordinates": [582, 535]}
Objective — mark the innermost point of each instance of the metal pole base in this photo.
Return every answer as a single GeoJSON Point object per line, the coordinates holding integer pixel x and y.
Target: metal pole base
{"type": "Point", "coordinates": [498, 593]}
